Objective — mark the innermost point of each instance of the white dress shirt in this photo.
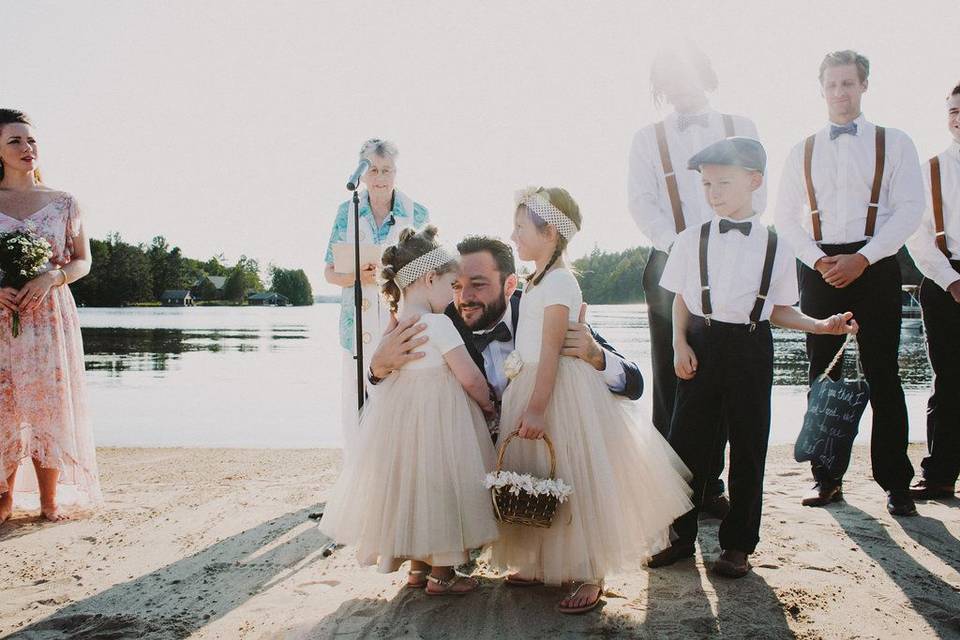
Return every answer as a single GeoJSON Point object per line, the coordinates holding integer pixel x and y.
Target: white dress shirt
{"type": "Point", "coordinates": [843, 171]}
{"type": "Point", "coordinates": [495, 354]}
{"type": "Point", "coordinates": [923, 245]}
{"type": "Point", "coordinates": [734, 268]}
{"type": "Point", "coordinates": [647, 195]}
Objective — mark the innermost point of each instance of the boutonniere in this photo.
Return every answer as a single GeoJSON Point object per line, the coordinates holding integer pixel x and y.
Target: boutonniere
{"type": "Point", "coordinates": [512, 365]}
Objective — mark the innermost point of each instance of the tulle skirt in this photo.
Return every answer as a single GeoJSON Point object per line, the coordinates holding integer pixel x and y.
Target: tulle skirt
{"type": "Point", "coordinates": [628, 484]}
{"type": "Point", "coordinates": [413, 488]}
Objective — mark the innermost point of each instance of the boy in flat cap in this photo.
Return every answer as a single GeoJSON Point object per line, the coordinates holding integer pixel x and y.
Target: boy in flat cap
{"type": "Point", "coordinates": [731, 281]}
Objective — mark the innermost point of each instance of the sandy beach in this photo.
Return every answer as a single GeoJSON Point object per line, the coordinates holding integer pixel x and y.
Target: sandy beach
{"type": "Point", "coordinates": [217, 543]}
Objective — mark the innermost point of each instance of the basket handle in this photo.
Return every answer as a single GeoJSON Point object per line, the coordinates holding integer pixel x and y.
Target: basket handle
{"type": "Point", "coordinates": [546, 441]}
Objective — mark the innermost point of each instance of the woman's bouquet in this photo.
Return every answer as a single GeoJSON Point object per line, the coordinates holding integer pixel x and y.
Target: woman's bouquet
{"type": "Point", "coordinates": [23, 254]}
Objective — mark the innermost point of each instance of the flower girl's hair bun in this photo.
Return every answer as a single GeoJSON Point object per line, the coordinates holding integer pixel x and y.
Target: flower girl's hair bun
{"type": "Point", "coordinates": [411, 246]}
{"type": "Point", "coordinates": [563, 202]}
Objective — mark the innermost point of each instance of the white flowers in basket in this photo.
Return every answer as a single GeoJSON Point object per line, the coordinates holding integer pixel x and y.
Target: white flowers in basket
{"type": "Point", "coordinates": [512, 365]}
{"type": "Point", "coordinates": [517, 482]}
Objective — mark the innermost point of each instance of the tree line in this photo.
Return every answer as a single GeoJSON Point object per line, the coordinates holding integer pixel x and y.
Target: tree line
{"type": "Point", "coordinates": [124, 274]}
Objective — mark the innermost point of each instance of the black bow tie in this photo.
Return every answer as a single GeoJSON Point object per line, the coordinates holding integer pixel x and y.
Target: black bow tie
{"type": "Point", "coordinates": [500, 333]}
{"type": "Point", "coordinates": [742, 227]}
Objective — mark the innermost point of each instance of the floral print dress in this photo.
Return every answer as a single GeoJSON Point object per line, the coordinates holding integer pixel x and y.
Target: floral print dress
{"type": "Point", "coordinates": [43, 411]}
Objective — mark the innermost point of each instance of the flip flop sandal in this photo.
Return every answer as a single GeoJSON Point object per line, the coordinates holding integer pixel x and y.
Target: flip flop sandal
{"type": "Point", "coordinates": [447, 586]}
{"type": "Point", "coordinates": [587, 607]}
{"type": "Point", "coordinates": [515, 581]}
{"type": "Point", "coordinates": [417, 573]}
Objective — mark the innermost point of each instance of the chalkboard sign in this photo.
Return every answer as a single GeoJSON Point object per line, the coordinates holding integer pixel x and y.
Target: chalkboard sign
{"type": "Point", "coordinates": [833, 415]}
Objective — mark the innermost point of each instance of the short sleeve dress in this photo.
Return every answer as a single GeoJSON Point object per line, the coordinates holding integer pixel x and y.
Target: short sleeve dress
{"type": "Point", "coordinates": [628, 484]}
{"type": "Point", "coordinates": [417, 490]}
{"type": "Point", "coordinates": [43, 409]}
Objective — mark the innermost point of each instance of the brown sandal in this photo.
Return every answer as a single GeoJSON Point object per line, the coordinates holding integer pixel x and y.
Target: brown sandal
{"type": "Point", "coordinates": [447, 585]}
{"type": "Point", "coordinates": [585, 608]}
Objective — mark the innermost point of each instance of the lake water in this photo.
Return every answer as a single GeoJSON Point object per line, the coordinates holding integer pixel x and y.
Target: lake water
{"type": "Point", "coordinates": [270, 377]}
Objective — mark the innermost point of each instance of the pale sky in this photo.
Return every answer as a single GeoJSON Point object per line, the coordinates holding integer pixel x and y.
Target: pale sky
{"type": "Point", "coordinates": [232, 126]}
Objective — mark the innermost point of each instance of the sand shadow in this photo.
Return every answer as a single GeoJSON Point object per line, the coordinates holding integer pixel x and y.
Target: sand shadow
{"type": "Point", "coordinates": [934, 536]}
{"type": "Point", "coordinates": [747, 607]}
{"type": "Point", "coordinates": [204, 586]}
{"type": "Point", "coordinates": [931, 597]}
{"type": "Point", "coordinates": [493, 612]}
{"type": "Point", "coordinates": [677, 606]}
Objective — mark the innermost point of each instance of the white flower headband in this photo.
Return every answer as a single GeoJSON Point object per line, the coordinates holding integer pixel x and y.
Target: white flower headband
{"type": "Point", "coordinates": [536, 201]}
{"type": "Point", "coordinates": [433, 259]}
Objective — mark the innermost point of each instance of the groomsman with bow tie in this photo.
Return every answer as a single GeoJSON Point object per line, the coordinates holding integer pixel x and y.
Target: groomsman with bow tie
{"type": "Point", "coordinates": [485, 311]}
{"type": "Point", "coordinates": [936, 250]}
{"type": "Point", "coordinates": [850, 196]}
{"type": "Point", "coordinates": [665, 197]}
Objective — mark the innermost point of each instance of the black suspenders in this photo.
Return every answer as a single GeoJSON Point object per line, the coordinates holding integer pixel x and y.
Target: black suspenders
{"type": "Point", "coordinates": [765, 277]}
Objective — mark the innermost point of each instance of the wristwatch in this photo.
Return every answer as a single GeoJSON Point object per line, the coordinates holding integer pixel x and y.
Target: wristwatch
{"type": "Point", "coordinates": [371, 378]}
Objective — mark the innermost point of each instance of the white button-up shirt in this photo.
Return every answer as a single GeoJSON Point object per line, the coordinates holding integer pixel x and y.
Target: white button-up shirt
{"type": "Point", "coordinates": [843, 171]}
{"type": "Point", "coordinates": [647, 195]}
{"type": "Point", "coordinates": [495, 354]}
{"type": "Point", "coordinates": [930, 260]}
{"type": "Point", "coordinates": [734, 268]}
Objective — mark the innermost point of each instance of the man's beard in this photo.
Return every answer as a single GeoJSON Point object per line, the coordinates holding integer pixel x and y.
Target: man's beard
{"type": "Point", "coordinates": [492, 314]}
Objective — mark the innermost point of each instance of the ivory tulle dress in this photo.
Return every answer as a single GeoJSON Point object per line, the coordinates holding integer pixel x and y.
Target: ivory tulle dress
{"type": "Point", "coordinates": [628, 484]}
{"type": "Point", "coordinates": [43, 410]}
{"type": "Point", "coordinates": [414, 489]}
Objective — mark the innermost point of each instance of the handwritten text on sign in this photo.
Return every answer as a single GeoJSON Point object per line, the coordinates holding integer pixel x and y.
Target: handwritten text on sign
{"type": "Point", "coordinates": [831, 423]}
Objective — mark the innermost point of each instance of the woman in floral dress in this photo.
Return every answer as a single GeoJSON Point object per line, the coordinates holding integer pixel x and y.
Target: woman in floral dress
{"type": "Point", "coordinates": [43, 416]}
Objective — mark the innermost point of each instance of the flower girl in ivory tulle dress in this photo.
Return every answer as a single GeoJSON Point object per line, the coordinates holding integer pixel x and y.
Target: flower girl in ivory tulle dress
{"type": "Point", "coordinates": [628, 484]}
{"type": "Point", "coordinates": [414, 491]}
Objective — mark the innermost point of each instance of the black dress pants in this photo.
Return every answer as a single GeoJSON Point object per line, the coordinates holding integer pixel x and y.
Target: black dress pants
{"type": "Point", "coordinates": [875, 300]}
{"type": "Point", "coordinates": [732, 386]}
{"type": "Point", "coordinates": [941, 322]}
{"type": "Point", "coordinates": [660, 317]}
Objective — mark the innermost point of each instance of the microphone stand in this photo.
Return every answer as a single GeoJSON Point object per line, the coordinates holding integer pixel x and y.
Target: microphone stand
{"type": "Point", "coordinates": [330, 547]}
{"type": "Point", "coordinates": [358, 298]}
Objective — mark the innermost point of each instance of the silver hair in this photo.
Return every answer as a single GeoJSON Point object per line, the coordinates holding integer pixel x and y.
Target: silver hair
{"type": "Point", "coordinates": [382, 148]}
{"type": "Point", "coordinates": [845, 57]}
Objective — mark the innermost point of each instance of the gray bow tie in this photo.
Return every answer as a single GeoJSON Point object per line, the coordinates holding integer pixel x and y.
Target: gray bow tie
{"type": "Point", "coordinates": [684, 121]}
{"type": "Point", "coordinates": [836, 132]}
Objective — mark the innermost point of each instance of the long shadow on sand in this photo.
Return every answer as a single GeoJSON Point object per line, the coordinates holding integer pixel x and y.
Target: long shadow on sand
{"type": "Point", "coordinates": [746, 608]}
{"type": "Point", "coordinates": [933, 535]}
{"type": "Point", "coordinates": [204, 587]}
{"type": "Point", "coordinates": [930, 596]}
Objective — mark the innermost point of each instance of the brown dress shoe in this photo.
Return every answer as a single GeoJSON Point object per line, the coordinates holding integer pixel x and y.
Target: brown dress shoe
{"type": "Point", "coordinates": [715, 507]}
{"type": "Point", "coordinates": [823, 494]}
{"type": "Point", "coordinates": [926, 490]}
{"type": "Point", "coordinates": [671, 554]}
{"type": "Point", "coordinates": [899, 503]}
{"type": "Point", "coordinates": [732, 564]}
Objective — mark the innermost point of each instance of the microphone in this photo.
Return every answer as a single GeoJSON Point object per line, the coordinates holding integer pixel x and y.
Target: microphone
{"type": "Point", "coordinates": [354, 180]}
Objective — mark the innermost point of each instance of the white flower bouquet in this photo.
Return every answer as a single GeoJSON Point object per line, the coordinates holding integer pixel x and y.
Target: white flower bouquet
{"type": "Point", "coordinates": [23, 254]}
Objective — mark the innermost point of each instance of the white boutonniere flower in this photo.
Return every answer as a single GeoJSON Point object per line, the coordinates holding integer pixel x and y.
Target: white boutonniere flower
{"type": "Point", "coordinates": [512, 365]}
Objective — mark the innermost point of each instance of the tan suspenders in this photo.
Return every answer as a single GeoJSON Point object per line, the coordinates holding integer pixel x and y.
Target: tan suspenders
{"type": "Point", "coordinates": [937, 193]}
{"type": "Point", "coordinates": [673, 191]}
{"type": "Point", "coordinates": [874, 204]}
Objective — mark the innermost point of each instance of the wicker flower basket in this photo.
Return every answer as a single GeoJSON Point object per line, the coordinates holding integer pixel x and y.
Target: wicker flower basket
{"type": "Point", "coordinates": [515, 505]}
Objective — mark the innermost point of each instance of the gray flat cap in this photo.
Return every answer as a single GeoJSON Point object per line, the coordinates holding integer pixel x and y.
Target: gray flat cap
{"type": "Point", "coordinates": [738, 151]}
